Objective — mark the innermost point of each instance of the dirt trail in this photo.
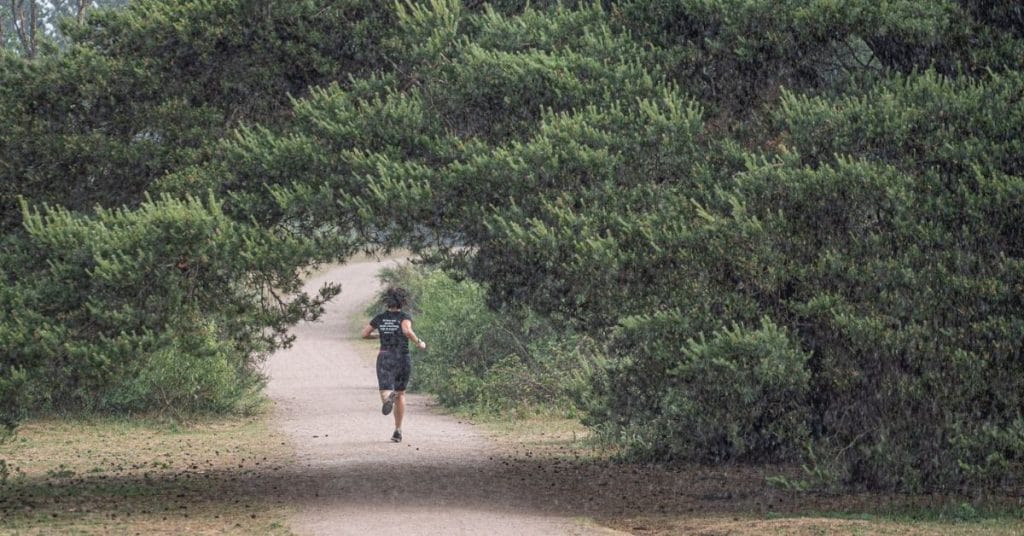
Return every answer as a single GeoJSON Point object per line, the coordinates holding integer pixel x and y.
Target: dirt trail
{"type": "Point", "coordinates": [444, 479]}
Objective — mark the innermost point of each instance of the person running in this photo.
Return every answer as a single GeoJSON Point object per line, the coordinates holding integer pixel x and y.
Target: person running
{"type": "Point", "coordinates": [394, 365]}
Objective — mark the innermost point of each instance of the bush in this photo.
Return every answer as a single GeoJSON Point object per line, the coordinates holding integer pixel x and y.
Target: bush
{"type": "Point", "coordinates": [168, 307]}
{"type": "Point", "coordinates": [894, 210]}
{"type": "Point", "coordinates": [187, 372]}
{"type": "Point", "coordinates": [739, 395]}
{"type": "Point", "coordinates": [894, 266]}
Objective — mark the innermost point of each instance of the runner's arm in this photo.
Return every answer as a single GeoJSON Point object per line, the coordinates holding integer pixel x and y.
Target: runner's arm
{"type": "Point", "coordinates": [368, 332]}
{"type": "Point", "coordinates": [409, 334]}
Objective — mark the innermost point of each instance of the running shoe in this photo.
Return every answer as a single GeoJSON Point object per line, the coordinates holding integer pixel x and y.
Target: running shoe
{"type": "Point", "coordinates": [389, 403]}
{"type": "Point", "coordinates": [397, 436]}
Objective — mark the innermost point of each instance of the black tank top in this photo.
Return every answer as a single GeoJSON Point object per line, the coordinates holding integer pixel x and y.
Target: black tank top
{"type": "Point", "coordinates": [389, 325]}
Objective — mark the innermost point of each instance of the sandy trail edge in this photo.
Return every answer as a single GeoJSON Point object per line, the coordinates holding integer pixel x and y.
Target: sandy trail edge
{"type": "Point", "coordinates": [351, 479]}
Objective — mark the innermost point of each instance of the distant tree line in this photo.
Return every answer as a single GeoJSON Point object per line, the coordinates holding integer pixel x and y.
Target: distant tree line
{"type": "Point", "coordinates": [792, 227]}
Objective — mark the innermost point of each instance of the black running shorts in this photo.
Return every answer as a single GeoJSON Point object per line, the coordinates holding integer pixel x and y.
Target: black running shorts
{"type": "Point", "coordinates": [393, 370]}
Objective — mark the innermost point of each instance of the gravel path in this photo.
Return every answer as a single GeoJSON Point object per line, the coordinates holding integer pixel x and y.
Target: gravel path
{"type": "Point", "coordinates": [351, 479]}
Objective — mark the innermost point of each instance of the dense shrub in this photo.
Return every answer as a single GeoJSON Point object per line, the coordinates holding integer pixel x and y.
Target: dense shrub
{"type": "Point", "coordinates": [242, 58]}
{"type": "Point", "coordinates": [191, 370]}
{"type": "Point", "coordinates": [738, 395]}
{"type": "Point", "coordinates": [736, 54]}
{"type": "Point", "coordinates": [903, 274]}
{"type": "Point", "coordinates": [167, 307]}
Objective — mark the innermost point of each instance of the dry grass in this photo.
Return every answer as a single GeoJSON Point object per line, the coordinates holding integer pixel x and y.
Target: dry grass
{"type": "Point", "coordinates": [732, 500]}
{"type": "Point", "coordinates": [542, 435]}
{"type": "Point", "coordinates": [118, 476]}
{"type": "Point", "coordinates": [807, 526]}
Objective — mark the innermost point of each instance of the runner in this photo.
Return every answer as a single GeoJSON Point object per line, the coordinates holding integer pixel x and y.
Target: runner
{"type": "Point", "coordinates": [394, 365]}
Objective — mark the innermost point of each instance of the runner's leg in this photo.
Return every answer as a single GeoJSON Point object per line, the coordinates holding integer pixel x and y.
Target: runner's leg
{"type": "Point", "coordinates": [402, 374]}
{"type": "Point", "coordinates": [386, 380]}
{"type": "Point", "coordinates": [399, 409]}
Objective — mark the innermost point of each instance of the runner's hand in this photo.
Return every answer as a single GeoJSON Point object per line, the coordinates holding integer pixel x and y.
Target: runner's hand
{"type": "Point", "coordinates": [422, 344]}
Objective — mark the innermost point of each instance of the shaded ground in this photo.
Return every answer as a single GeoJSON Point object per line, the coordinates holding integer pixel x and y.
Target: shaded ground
{"type": "Point", "coordinates": [115, 476]}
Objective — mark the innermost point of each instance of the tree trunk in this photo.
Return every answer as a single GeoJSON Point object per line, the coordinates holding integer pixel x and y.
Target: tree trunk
{"type": "Point", "coordinates": [25, 25]}
{"type": "Point", "coordinates": [83, 5]}
{"type": "Point", "coordinates": [33, 10]}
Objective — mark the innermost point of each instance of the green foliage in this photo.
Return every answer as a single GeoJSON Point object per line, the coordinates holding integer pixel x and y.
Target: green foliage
{"type": "Point", "coordinates": [13, 398]}
{"type": "Point", "coordinates": [104, 317]}
{"type": "Point", "coordinates": [193, 369]}
{"type": "Point", "coordinates": [242, 58]}
{"type": "Point", "coordinates": [80, 129]}
{"type": "Point", "coordinates": [167, 307]}
{"type": "Point", "coordinates": [738, 395]}
{"type": "Point", "coordinates": [49, 18]}
{"type": "Point", "coordinates": [737, 53]}
{"type": "Point", "coordinates": [904, 278]}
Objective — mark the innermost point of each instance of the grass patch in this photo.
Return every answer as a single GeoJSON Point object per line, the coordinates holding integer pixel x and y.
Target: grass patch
{"type": "Point", "coordinates": [736, 499]}
{"type": "Point", "coordinates": [941, 511]}
{"type": "Point", "coordinates": [807, 526]}
{"type": "Point", "coordinates": [102, 475]}
{"type": "Point", "coordinates": [854, 514]}
{"type": "Point", "coordinates": [541, 433]}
